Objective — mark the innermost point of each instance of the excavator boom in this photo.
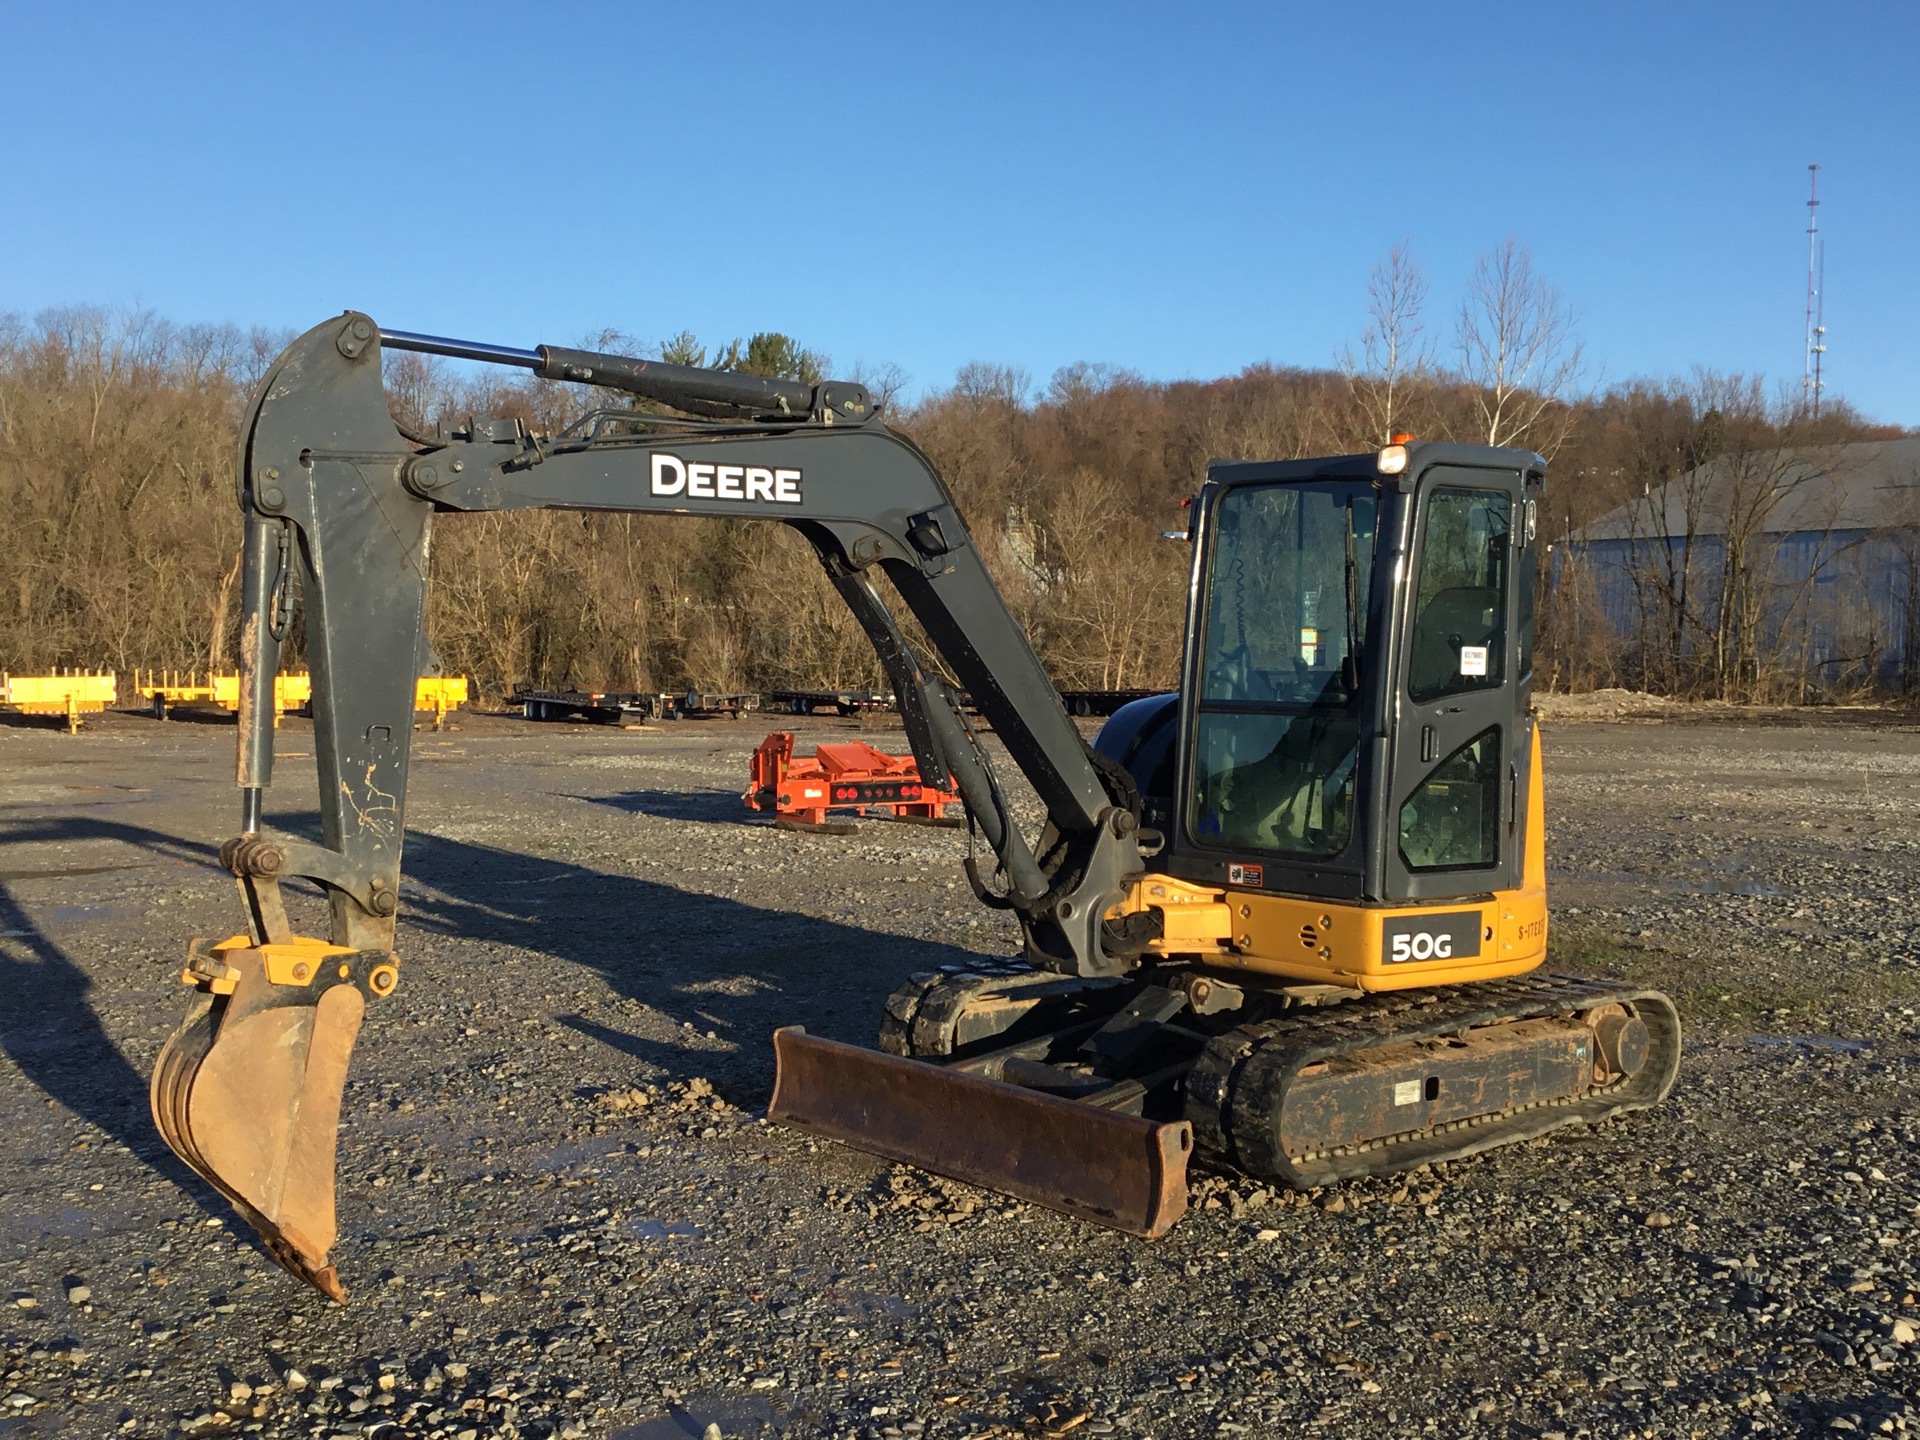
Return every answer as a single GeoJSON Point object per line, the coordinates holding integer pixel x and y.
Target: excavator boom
{"type": "Point", "coordinates": [338, 503]}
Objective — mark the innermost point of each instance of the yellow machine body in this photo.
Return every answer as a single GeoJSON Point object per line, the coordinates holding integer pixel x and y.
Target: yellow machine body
{"type": "Point", "coordinates": [1317, 941]}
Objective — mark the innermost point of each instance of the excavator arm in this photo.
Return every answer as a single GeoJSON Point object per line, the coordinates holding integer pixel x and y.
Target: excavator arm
{"type": "Point", "coordinates": [339, 501]}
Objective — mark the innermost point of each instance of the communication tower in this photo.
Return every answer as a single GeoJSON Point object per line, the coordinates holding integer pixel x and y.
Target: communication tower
{"type": "Point", "coordinates": [1810, 382]}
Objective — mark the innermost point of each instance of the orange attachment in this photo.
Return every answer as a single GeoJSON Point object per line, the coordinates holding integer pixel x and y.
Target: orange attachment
{"type": "Point", "coordinates": [843, 775]}
{"type": "Point", "coordinates": [247, 1091]}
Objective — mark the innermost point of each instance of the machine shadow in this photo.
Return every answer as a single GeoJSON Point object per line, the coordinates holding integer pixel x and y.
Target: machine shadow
{"type": "Point", "coordinates": [189, 715]}
{"type": "Point", "coordinates": [701, 961]}
{"type": "Point", "coordinates": [704, 961]}
{"type": "Point", "coordinates": [19, 720]}
{"type": "Point", "coordinates": [51, 1031]}
{"type": "Point", "coordinates": [712, 807]}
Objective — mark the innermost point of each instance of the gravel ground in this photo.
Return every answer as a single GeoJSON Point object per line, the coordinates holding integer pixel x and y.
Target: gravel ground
{"type": "Point", "coordinates": [560, 1214]}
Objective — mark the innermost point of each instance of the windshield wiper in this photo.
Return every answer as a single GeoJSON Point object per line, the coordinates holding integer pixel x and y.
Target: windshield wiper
{"type": "Point", "coordinates": [1350, 662]}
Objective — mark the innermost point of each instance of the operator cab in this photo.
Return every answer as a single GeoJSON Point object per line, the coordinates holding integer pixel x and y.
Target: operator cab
{"type": "Point", "coordinates": [1357, 678]}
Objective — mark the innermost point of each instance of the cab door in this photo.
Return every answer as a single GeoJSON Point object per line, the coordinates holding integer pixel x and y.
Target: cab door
{"type": "Point", "coordinates": [1457, 795]}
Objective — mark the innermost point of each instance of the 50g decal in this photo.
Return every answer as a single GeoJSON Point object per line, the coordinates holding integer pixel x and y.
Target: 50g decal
{"type": "Point", "coordinates": [1421, 945]}
{"type": "Point", "coordinates": [1450, 935]}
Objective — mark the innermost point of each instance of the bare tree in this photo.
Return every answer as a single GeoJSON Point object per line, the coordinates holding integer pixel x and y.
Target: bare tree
{"type": "Point", "coordinates": [1101, 634]}
{"type": "Point", "coordinates": [116, 492]}
{"type": "Point", "coordinates": [884, 381]}
{"type": "Point", "coordinates": [983, 383]}
{"type": "Point", "coordinates": [1084, 379]}
{"type": "Point", "coordinates": [1271, 414]}
{"type": "Point", "coordinates": [417, 386]}
{"type": "Point", "coordinates": [1518, 349]}
{"type": "Point", "coordinates": [1395, 364]}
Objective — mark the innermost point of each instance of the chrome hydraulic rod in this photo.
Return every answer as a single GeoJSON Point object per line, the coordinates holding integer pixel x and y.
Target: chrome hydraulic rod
{"type": "Point", "coordinates": [461, 349]}
{"type": "Point", "coordinates": [682, 386]}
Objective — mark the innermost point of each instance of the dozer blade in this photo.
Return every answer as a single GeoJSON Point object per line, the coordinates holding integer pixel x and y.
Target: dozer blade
{"type": "Point", "coordinates": [247, 1091]}
{"type": "Point", "coordinates": [1115, 1170]}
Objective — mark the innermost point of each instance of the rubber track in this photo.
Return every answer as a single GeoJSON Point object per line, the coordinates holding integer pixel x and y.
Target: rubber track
{"type": "Point", "coordinates": [1237, 1087]}
{"type": "Point", "coordinates": [920, 1014]}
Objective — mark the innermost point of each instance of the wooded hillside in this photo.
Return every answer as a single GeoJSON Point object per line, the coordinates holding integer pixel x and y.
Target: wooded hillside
{"type": "Point", "coordinates": [119, 529]}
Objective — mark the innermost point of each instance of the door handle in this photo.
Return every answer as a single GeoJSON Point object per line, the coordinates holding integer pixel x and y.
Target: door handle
{"type": "Point", "coordinates": [1429, 752]}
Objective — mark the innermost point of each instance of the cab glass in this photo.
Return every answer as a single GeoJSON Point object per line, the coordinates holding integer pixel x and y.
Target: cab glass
{"type": "Point", "coordinates": [1277, 726]}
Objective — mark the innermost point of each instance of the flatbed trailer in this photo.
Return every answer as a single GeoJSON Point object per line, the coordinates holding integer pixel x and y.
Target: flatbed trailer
{"type": "Point", "coordinates": [69, 693]}
{"type": "Point", "coordinates": [601, 707]}
{"type": "Point", "coordinates": [695, 703]}
{"type": "Point", "coordinates": [631, 707]}
{"type": "Point", "coordinates": [1102, 702]}
{"type": "Point", "coordinates": [841, 702]}
{"type": "Point", "coordinates": [434, 695]}
{"type": "Point", "coordinates": [166, 688]}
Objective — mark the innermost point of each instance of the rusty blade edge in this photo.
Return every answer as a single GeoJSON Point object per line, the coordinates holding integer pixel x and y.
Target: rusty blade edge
{"type": "Point", "coordinates": [1115, 1170]}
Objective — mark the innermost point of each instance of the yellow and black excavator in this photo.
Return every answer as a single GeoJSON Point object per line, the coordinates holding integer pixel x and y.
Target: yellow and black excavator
{"type": "Point", "coordinates": [1282, 921]}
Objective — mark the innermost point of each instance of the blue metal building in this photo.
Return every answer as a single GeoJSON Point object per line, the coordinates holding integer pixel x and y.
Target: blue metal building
{"type": "Point", "coordinates": [1808, 560]}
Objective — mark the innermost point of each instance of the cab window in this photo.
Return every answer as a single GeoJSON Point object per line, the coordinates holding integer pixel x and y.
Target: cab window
{"type": "Point", "coordinates": [1277, 733]}
{"type": "Point", "coordinates": [1460, 608]}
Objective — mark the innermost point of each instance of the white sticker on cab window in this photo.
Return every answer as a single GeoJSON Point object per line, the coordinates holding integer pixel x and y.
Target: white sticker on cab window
{"type": "Point", "coordinates": [1473, 660]}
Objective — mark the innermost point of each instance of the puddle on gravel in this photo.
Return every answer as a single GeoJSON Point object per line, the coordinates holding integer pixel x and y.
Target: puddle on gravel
{"type": "Point", "coordinates": [1712, 886]}
{"type": "Point", "coordinates": [645, 1227]}
{"type": "Point", "coordinates": [872, 1302]}
{"type": "Point", "coordinates": [24, 797]}
{"type": "Point", "coordinates": [79, 914]}
{"type": "Point", "coordinates": [576, 1154]}
{"type": "Point", "coordinates": [1832, 1043]}
{"type": "Point", "coordinates": [1744, 873]}
{"type": "Point", "coordinates": [735, 1415]}
{"type": "Point", "coordinates": [1698, 878]}
{"type": "Point", "coordinates": [8, 876]}
{"type": "Point", "coordinates": [70, 1223]}
{"type": "Point", "coordinates": [12, 795]}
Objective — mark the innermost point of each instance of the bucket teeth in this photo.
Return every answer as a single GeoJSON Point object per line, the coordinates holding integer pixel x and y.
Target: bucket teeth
{"type": "Point", "coordinates": [247, 1092]}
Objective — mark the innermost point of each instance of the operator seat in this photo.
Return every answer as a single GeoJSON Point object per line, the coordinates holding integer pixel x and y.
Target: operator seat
{"type": "Point", "coordinates": [1456, 617]}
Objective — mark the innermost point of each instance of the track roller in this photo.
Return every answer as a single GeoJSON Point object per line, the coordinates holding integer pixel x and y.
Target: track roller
{"type": "Point", "coordinates": [1387, 1083]}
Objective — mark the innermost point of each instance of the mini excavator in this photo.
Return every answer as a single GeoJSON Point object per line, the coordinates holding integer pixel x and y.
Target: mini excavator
{"type": "Point", "coordinates": [1284, 921]}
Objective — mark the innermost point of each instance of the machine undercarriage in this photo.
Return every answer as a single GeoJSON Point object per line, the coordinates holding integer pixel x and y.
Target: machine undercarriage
{"type": "Point", "coordinates": [1300, 1085]}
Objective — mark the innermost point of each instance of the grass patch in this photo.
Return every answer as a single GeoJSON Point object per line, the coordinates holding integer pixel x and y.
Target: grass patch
{"type": "Point", "coordinates": [1826, 994]}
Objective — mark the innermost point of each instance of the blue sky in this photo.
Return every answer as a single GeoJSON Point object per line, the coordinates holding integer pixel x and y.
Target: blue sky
{"type": "Point", "coordinates": [1180, 189]}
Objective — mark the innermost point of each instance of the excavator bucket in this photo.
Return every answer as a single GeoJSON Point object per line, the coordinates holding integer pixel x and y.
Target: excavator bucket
{"type": "Point", "coordinates": [247, 1091]}
{"type": "Point", "coordinates": [1113, 1169]}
